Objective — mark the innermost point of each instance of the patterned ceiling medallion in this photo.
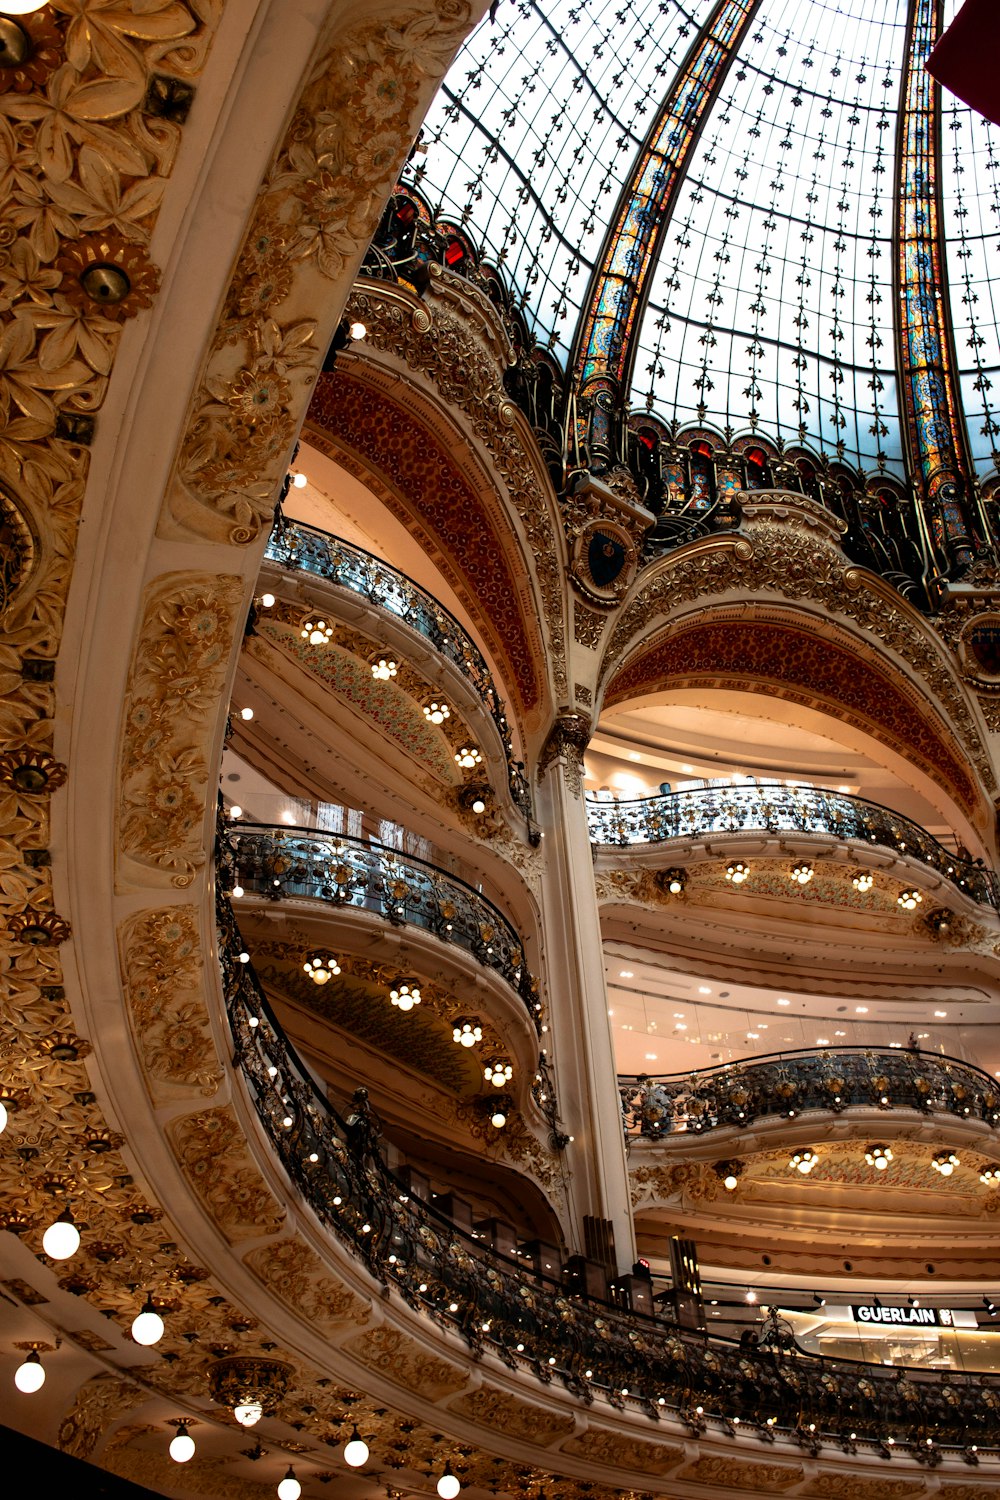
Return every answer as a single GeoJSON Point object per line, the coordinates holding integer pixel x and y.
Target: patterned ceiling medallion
{"type": "Point", "coordinates": [979, 648]}
{"type": "Point", "coordinates": [40, 929]}
{"type": "Point", "coordinates": [31, 771]}
{"type": "Point", "coordinates": [250, 1387]}
{"type": "Point", "coordinates": [107, 272]}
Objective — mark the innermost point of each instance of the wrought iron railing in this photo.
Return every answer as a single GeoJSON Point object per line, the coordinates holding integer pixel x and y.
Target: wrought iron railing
{"type": "Point", "coordinates": [784, 809]}
{"type": "Point", "coordinates": [784, 1084]}
{"type": "Point", "coordinates": [631, 1361]}
{"type": "Point", "coordinates": [279, 862]}
{"type": "Point", "coordinates": [296, 545]}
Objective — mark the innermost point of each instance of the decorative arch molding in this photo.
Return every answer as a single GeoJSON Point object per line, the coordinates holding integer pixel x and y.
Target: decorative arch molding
{"type": "Point", "coordinates": [786, 556]}
{"type": "Point", "coordinates": [766, 651]}
{"type": "Point", "coordinates": [407, 457]}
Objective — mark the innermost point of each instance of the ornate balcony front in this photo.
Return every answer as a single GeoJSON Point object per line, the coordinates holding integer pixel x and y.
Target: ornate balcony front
{"type": "Point", "coordinates": [351, 872]}
{"type": "Point", "coordinates": [703, 812]}
{"type": "Point", "coordinates": [786, 1084]}
{"type": "Point", "coordinates": [639, 1364]}
{"type": "Point", "coordinates": [294, 545]}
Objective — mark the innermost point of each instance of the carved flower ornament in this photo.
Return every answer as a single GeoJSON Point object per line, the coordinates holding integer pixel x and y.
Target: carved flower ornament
{"type": "Point", "coordinates": [108, 272]}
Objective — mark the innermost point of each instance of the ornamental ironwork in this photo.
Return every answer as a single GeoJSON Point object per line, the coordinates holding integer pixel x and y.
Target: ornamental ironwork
{"type": "Point", "coordinates": [784, 1084]}
{"type": "Point", "coordinates": [294, 545]}
{"type": "Point", "coordinates": [284, 864]}
{"type": "Point", "coordinates": [537, 1325]}
{"type": "Point", "coordinates": [784, 809]}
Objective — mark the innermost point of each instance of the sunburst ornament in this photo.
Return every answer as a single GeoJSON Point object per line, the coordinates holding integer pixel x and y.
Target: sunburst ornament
{"type": "Point", "coordinates": [107, 272]}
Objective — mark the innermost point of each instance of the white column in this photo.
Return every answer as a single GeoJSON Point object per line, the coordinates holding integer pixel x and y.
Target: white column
{"type": "Point", "coordinates": [583, 1051]}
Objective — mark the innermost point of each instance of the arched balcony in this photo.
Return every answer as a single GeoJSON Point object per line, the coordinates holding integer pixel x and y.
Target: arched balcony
{"type": "Point", "coordinates": [766, 810]}
{"type": "Point", "coordinates": [296, 546]}
{"type": "Point", "coordinates": [783, 1085]}
{"type": "Point", "coordinates": [549, 1330]}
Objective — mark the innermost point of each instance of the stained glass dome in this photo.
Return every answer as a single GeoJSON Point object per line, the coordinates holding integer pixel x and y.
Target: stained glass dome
{"type": "Point", "coordinates": [764, 217]}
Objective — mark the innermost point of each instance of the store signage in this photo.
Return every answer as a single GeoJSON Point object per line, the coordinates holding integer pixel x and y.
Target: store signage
{"type": "Point", "coordinates": [909, 1317]}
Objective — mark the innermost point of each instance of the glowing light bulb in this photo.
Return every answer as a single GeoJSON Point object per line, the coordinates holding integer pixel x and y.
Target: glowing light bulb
{"type": "Point", "coordinates": [248, 1413]}
{"type": "Point", "coordinates": [289, 1488]}
{"type": "Point", "coordinates": [182, 1446]}
{"type": "Point", "coordinates": [730, 1182]}
{"type": "Point", "coordinates": [61, 1239]}
{"type": "Point", "coordinates": [356, 1450]}
{"type": "Point", "coordinates": [358, 331]}
{"type": "Point", "coordinates": [246, 714]}
{"type": "Point", "coordinates": [19, 7]}
{"type": "Point", "coordinates": [300, 481]}
{"type": "Point", "coordinates": [267, 600]}
{"type": "Point", "coordinates": [147, 1326]}
{"type": "Point", "coordinates": [3, 1117]}
{"type": "Point", "coordinates": [499, 1119]}
{"type": "Point", "coordinates": [448, 1485]}
{"type": "Point", "coordinates": [30, 1377]}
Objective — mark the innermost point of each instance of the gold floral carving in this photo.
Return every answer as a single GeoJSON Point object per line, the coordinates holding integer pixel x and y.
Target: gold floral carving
{"type": "Point", "coordinates": [780, 556]}
{"type": "Point", "coordinates": [694, 1181]}
{"type": "Point", "coordinates": [404, 1362]}
{"type": "Point", "coordinates": [316, 213]}
{"type": "Point", "coordinates": [164, 976]}
{"type": "Point", "coordinates": [854, 1487]}
{"type": "Point", "coordinates": [150, 1468]}
{"type": "Point", "coordinates": [967, 1491]}
{"type": "Point", "coordinates": [501, 1412]}
{"type": "Point", "coordinates": [621, 1451]}
{"type": "Point", "coordinates": [99, 1401]}
{"type": "Point", "coordinates": [444, 349]}
{"type": "Point", "coordinates": [172, 703]}
{"type": "Point", "coordinates": [588, 627]}
{"type": "Point", "coordinates": [567, 741]}
{"type": "Point", "coordinates": [757, 1478]}
{"type": "Point", "coordinates": [212, 1151]}
{"type": "Point", "coordinates": [290, 1269]}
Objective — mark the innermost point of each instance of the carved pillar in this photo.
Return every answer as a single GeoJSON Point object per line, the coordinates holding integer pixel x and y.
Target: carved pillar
{"type": "Point", "coordinates": [578, 1002]}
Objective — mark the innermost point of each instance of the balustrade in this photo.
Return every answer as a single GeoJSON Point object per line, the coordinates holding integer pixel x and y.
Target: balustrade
{"type": "Point", "coordinates": [701, 812]}
{"type": "Point", "coordinates": [784, 1084]}
{"type": "Point", "coordinates": [631, 1361]}
{"type": "Point", "coordinates": [295, 545]}
{"type": "Point", "coordinates": [279, 863]}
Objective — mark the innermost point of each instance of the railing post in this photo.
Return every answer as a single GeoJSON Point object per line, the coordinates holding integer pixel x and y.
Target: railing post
{"type": "Point", "coordinates": [578, 1001]}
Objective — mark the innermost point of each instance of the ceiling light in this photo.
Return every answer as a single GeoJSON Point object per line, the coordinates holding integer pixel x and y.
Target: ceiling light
{"type": "Point", "coordinates": [317, 632]}
{"type": "Point", "coordinates": [863, 882]}
{"type": "Point", "coordinates": [246, 714]}
{"type": "Point", "coordinates": [673, 880]}
{"type": "Point", "coordinates": [467, 757]}
{"type": "Point", "coordinates": [945, 1162]}
{"type": "Point", "coordinates": [941, 1014]}
{"type": "Point", "coordinates": [625, 974]}
{"type": "Point", "coordinates": [751, 1296]}
{"type": "Point", "coordinates": [355, 1450]}
{"type": "Point", "coordinates": [29, 1377]}
{"type": "Point", "coordinates": [267, 600]}
{"type": "Point", "coordinates": [182, 1446]}
{"type": "Point", "coordinates": [499, 1107]}
{"type": "Point", "coordinates": [61, 1239]}
{"type": "Point", "coordinates": [803, 1161]}
{"type": "Point", "coordinates": [861, 1010]}
{"type": "Point", "coordinates": [235, 811]}
{"type": "Point", "coordinates": [878, 1157]}
{"type": "Point", "coordinates": [19, 7]}
{"type": "Point", "coordinates": [405, 994]}
{"type": "Point", "coordinates": [729, 1173]}
{"type": "Point", "coordinates": [299, 480]}
{"type": "Point", "coordinates": [989, 1175]}
{"type": "Point", "coordinates": [498, 1073]}
{"type": "Point", "coordinates": [802, 873]}
{"type": "Point", "coordinates": [436, 713]}
{"type": "Point", "coordinates": [384, 667]}
{"type": "Point", "coordinates": [321, 967]}
{"type": "Point", "coordinates": [737, 872]}
{"type": "Point", "coordinates": [909, 900]}
{"type": "Point", "coordinates": [466, 1033]}
{"type": "Point", "coordinates": [448, 1485]}
{"type": "Point", "coordinates": [3, 1117]}
{"type": "Point", "coordinates": [784, 1002]}
{"type": "Point", "coordinates": [147, 1325]}
{"type": "Point", "coordinates": [289, 1488]}
{"type": "Point", "coordinates": [358, 331]}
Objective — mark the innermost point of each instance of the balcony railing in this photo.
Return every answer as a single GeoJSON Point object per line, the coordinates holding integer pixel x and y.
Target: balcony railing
{"type": "Point", "coordinates": [295, 545]}
{"type": "Point", "coordinates": [287, 862]}
{"type": "Point", "coordinates": [783, 809]}
{"type": "Point", "coordinates": [633, 1362]}
{"type": "Point", "coordinates": [784, 1084]}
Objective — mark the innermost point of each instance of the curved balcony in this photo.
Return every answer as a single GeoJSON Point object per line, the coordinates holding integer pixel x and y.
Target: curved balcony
{"type": "Point", "coordinates": [295, 545]}
{"type": "Point", "coordinates": [783, 809]}
{"type": "Point", "coordinates": [635, 1363]}
{"type": "Point", "coordinates": [782, 1085]}
{"type": "Point", "coordinates": [279, 862]}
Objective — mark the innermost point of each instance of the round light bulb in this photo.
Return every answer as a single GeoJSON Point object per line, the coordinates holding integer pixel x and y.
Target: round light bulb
{"type": "Point", "coordinates": [467, 1039]}
{"type": "Point", "coordinates": [237, 891]}
{"type": "Point", "coordinates": [247, 714]}
{"type": "Point", "coordinates": [147, 1326]}
{"type": "Point", "coordinates": [3, 1117]}
{"type": "Point", "coordinates": [248, 1413]}
{"type": "Point", "coordinates": [19, 7]}
{"type": "Point", "coordinates": [236, 811]}
{"type": "Point", "coordinates": [267, 600]}
{"type": "Point", "coordinates": [479, 806]}
{"type": "Point", "coordinates": [30, 1376]}
{"type": "Point", "coordinates": [289, 1487]}
{"type": "Point", "coordinates": [358, 331]}
{"type": "Point", "coordinates": [356, 1450]}
{"type": "Point", "coordinates": [499, 1119]}
{"type": "Point", "coordinates": [182, 1446]}
{"type": "Point", "coordinates": [61, 1240]}
{"type": "Point", "coordinates": [730, 1183]}
{"type": "Point", "coordinates": [448, 1485]}
{"type": "Point", "coordinates": [300, 481]}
